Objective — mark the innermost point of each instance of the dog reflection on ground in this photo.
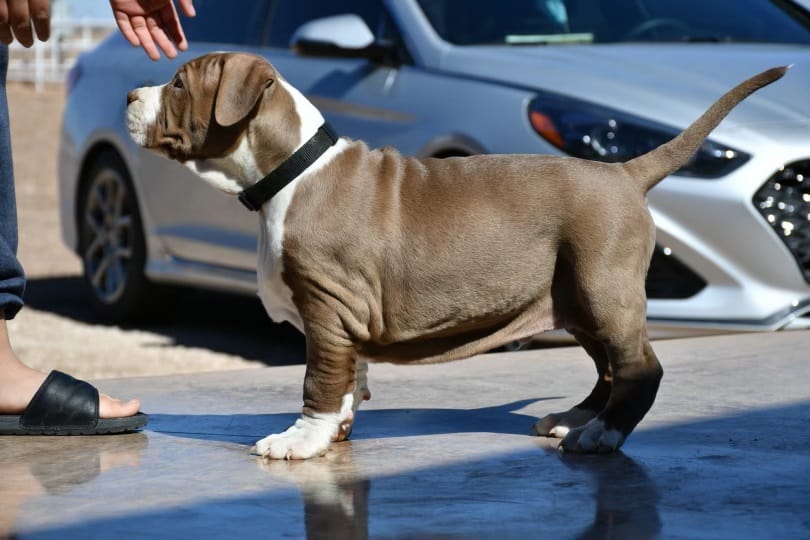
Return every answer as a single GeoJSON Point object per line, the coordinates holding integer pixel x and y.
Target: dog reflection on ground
{"type": "Point", "coordinates": [336, 496]}
{"type": "Point", "coordinates": [338, 503]}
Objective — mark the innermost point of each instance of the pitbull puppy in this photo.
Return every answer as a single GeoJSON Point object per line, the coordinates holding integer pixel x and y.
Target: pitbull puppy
{"type": "Point", "coordinates": [375, 255]}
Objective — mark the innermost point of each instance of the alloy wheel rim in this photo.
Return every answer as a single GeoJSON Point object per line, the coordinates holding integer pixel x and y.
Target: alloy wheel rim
{"type": "Point", "coordinates": [108, 222]}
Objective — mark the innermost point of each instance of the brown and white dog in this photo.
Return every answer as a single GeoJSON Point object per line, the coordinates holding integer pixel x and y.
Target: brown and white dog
{"type": "Point", "coordinates": [378, 256]}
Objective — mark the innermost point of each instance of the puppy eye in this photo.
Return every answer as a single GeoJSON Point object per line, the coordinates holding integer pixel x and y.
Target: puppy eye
{"type": "Point", "coordinates": [178, 83]}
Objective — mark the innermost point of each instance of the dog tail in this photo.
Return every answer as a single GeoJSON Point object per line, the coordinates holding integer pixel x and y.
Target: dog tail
{"type": "Point", "coordinates": [654, 166]}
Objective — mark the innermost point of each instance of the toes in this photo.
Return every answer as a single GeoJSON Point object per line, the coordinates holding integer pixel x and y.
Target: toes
{"type": "Point", "coordinates": [592, 438]}
{"type": "Point", "coordinates": [274, 447]}
{"type": "Point", "coordinates": [114, 408]}
{"type": "Point", "coordinates": [546, 425]}
{"type": "Point", "coordinates": [559, 431]}
{"type": "Point", "coordinates": [305, 439]}
{"type": "Point", "coordinates": [559, 424]}
{"type": "Point", "coordinates": [268, 450]}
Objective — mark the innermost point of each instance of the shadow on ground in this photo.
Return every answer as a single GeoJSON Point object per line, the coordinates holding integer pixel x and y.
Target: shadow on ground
{"type": "Point", "coordinates": [221, 322]}
{"type": "Point", "coordinates": [376, 423]}
{"type": "Point", "coordinates": [712, 478]}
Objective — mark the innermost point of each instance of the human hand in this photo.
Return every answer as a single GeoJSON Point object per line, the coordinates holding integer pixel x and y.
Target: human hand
{"type": "Point", "coordinates": [151, 24]}
{"type": "Point", "coordinates": [17, 17]}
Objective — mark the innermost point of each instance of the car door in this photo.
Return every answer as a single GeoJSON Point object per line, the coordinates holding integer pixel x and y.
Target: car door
{"type": "Point", "coordinates": [354, 94]}
{"type": "Point", "coordinates": [193, 222]}
{"type": "Point", "coordinates": [419, 111]}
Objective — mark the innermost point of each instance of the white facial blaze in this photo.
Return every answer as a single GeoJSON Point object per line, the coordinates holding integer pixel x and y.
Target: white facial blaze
{"type": "Point", "coordinates": [143, 113]}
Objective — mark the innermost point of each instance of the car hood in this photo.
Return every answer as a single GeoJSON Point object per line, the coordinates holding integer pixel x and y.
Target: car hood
{"type": "Point", "coordinates": [671, 83]}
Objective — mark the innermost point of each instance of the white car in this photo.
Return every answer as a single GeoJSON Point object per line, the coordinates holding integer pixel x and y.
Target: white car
{"type": "Point", "coordinates": [594, 79]}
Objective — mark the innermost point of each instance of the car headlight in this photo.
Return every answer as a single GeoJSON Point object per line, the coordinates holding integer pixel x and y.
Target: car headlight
{"type": "Point", "coordinates": [590, 131]}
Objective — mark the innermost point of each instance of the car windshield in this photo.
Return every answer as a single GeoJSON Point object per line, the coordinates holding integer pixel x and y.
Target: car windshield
{"type": "Point", "coordinates": [549, 22]}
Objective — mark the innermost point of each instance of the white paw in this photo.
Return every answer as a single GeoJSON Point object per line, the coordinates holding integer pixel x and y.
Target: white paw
{"type": "Point", "coordinates": [308, 437]}
{"type": "Point", "coordinates": [593, 437]}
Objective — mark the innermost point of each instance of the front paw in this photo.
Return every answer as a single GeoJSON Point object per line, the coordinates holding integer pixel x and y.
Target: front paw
{"type": "Point", "coordinates": [309, 437]}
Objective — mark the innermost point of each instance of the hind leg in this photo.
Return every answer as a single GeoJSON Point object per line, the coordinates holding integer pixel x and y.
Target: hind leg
{"type": "Point", "coordinates": [559, 424]}
{"type": "Point", "coordinates": [635, 375]}
{"type": "Point", "coordinates": [604, 295]}
{"type": "Point", "coordinates": [609, 266]}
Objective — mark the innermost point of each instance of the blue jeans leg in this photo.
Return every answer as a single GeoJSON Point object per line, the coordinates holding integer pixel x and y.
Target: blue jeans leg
{"type": "Point", "coordinates": [12, 279]}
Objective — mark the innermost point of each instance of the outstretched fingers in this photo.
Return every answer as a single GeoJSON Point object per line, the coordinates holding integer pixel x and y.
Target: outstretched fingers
{"type": "Point", "coordinates": [187, 7]}
{"type": "Point", "coordinates": [167, 31]}
{"type": "Point", "coordinates": [156, 28]}
{"type": "Point", "coordinates": [20, 19]}
{"type": "Point", "coordinates": [124, 23]}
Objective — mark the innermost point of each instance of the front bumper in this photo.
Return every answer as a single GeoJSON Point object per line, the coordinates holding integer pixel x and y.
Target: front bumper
{"type": "Point", "coordinates": [740, 248]}
{"type": "Point", "coordinates": [784, 203]}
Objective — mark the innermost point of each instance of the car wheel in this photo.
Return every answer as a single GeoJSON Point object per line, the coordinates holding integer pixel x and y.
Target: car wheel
{"type": "Point", "coordinates": [111, 241]}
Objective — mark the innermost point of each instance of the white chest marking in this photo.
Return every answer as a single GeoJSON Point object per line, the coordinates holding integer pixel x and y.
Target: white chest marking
{"type": "Point", "coordinates": [274, 293]}
{"type": "Point", "coordinates": [276, 296]}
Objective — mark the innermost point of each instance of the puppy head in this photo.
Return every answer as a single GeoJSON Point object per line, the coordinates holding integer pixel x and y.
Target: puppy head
{"type": "Point", "coordinates": [206, 117]}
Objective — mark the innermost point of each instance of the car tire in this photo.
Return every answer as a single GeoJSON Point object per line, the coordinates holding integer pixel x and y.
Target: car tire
{"type": "Point", "coordinates": [111, 242]}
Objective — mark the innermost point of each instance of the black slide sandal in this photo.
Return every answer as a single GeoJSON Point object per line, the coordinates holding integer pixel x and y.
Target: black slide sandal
{"type": "Point", "coordinates": [64, 405]}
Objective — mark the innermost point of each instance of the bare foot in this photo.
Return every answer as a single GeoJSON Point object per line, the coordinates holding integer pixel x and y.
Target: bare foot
{"type": "Point", "coordinates": [19, 383]}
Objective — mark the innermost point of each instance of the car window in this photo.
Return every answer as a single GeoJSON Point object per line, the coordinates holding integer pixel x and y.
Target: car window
{"type": "Point", "coordinates": [240, 22]}
{"type": "Point", "coordinates": [288, 15]}
{"type": "Point", "coordinates": [526, 22]}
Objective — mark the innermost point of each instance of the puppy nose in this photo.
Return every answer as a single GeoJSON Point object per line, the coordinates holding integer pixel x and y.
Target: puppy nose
{"type": "Point", "coordinates": [132, 96]}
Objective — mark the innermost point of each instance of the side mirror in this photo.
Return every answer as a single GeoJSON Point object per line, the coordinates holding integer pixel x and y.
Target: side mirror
{"type": "Point", "coordinates": [341, 36]}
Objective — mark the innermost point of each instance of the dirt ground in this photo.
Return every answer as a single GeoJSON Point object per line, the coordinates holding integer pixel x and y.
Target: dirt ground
{"type": "Point", "coordinates": [200, 331]}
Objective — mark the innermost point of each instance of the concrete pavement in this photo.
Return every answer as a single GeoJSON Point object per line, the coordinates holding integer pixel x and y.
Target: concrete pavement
{"type": "Point", "coordinates": [441, 451]}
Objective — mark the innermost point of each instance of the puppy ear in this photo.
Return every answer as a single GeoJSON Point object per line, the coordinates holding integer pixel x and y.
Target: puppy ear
{"type": "Point", "coordinates": [243, 80]}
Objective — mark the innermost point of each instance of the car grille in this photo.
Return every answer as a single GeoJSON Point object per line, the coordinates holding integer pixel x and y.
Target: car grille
{"type": "Point", "coordinates": [784, 202]}
{"type": "Point", "coordinates": [670, 279]}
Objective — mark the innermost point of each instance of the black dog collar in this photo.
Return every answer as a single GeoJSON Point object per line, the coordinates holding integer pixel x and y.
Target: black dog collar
{"type": "Point", "coordinates": [265, 189]}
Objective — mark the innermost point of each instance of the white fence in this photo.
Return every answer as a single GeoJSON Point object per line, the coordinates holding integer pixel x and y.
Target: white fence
{"type": "Point", "coordinates": [49, 62]}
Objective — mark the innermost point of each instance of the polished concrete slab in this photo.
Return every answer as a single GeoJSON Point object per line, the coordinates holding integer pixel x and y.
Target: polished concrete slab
{"type": "Point", "coordinates": [441, 451]}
